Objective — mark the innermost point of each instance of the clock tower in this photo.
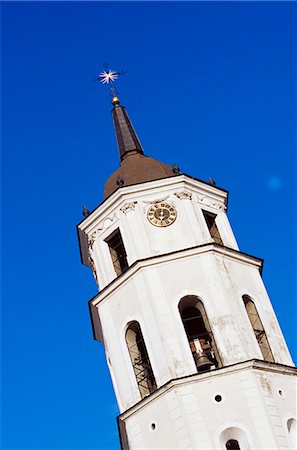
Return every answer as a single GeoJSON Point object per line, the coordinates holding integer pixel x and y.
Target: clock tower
{"type": "Point", "coordinates": [195, 352]}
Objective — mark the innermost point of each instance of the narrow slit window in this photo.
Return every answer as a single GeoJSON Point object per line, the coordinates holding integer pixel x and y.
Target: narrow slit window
{"type": "Point", "coordinates": [210, 219]}
{"type": "Point", "coordinates": [258, 329]}
{"type": "Point", "coordinates": [199, 334]}
{"type": "Point", "coordinates": [232, 444]}
{"type": "Point", "coordinates": [140, 360]}
{"type": "Point", "coordinates": [117, 252]}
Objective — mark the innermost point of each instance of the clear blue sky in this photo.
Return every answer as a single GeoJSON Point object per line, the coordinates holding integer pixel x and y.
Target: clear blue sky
{"type": "Point", "coordinates": [210, 87]}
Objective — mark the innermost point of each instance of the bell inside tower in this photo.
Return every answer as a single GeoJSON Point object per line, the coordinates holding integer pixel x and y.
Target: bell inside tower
{"type": "Point", "coordinates": [199, 334]}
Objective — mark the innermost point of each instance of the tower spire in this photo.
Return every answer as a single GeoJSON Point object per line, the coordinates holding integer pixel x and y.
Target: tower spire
{"type": "Point", "coordinates": [127, 139]}
{"type": "Point", "coordinates": [137, 168]}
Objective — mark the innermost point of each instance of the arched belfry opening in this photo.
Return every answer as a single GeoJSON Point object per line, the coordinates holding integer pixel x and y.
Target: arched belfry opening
{"type": "Point", "coordinates": [232, 444]}
{"type": "Point", "coordinates": [199, 333]}
{"type": "Point", "coordinates": [258, 328]}
{"type": "Point", "coordinates": [140, 360]}
{"type": "Point", "coordinates": [234, 438]}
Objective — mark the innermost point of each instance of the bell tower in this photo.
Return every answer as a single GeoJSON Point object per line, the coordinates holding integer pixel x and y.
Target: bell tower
{"type": "Point", "coordinates": [195, 352]}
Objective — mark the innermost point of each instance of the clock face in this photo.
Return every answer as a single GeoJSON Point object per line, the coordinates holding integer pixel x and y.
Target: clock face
{"type": "Point", "coordinates": [161, 214]}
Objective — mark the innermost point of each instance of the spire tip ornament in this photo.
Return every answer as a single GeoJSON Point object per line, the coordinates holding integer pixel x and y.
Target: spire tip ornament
{"type": "Point", "coordinates": [115, 100]}
{"type": "Point", "coordinates": [108, 77]}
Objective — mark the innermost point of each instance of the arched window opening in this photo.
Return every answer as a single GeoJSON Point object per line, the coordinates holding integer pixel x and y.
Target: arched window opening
{"type": "Point", "coordinates": [232, 444]}
{"type": "Point", "coordinates": [258, 329]}
{"type": "Point", "coordinates": [292, 428]}
{"type": "Point", "coordinates": [140, 360]}
{"type": "Point", "coordinates": [200, 337]}
{"type": "Point", "coordinates": [234, 438]}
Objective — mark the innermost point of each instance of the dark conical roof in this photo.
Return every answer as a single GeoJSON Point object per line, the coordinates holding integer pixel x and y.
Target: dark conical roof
{"type": "Point", "coordinates": [126, 137]}
{"type": "Point", "coordinates": [135, 167]}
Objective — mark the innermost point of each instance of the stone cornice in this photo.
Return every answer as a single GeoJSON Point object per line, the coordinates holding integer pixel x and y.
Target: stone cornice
{"type": "Point", "coordinates": [142, 264]}
{"type": "Point", "coordinates": [107, 210]}
{"type": "Point", "coordinates": [173, 256]}
{"type": "Point", "coordinates": [253, 364]}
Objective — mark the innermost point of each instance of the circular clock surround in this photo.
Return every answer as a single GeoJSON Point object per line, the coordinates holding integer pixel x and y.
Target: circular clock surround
{"type": "Point", "coordinates": [161, 214]}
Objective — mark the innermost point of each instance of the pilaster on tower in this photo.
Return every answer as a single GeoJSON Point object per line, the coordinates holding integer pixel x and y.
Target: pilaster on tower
{"type": "Point", "coordinates": [195, 352]}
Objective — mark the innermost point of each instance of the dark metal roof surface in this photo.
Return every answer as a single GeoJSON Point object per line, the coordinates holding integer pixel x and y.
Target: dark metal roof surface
{"type": "Point", "coordinates": [126, 137]}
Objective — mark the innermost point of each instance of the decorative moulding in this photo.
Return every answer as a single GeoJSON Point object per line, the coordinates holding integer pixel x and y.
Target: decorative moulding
{"type": "Point", "coordinates": [103, 225]}
{"type": "Point", "coordinates": [205, 200]}
{"type": "Point", "coordinates": [157, 200]}
{"type": "Point", "coordinates": [128, 207]}
{"type": "Point", "coordinates": [184, 195]}
{"type": "Point", "coordinates": [92, 264]}
{"type": "Point", "coordinates": [178, 182]}
{"type": "Point", "coordinates": [208, 248]}
{"type": "Point", "coordinates": [91, 240]}
{"type": "Point", "coordinates": [151, 202]}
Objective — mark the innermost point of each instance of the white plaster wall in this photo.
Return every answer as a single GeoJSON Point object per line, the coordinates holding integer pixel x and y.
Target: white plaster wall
{"type": "Point", "coordinates": [151, 296]}
{"type": "Point", "coordinates": [186, 415]}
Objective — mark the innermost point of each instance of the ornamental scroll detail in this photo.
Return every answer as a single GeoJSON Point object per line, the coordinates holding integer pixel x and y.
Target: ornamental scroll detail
{"type": "Point", "coordinates": [158, 200]}
{"type": "Point", "coordinates": [103, 225]}
{"type": "Point", "coordinates": [128, 207]}
{"type": "Point", "coordinates": [210, 202]}
{"type": "Point", "coordinates": [151, 202]}
{"type": "Point", "coordinates": [184, 195]}
{"type": "Point", "coordinates": [91, 240]}
{"type": "Point", "coordinates": [92, 264]}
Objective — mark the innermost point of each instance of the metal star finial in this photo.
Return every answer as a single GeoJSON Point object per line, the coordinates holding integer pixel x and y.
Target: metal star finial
{"type": "Point", "coordinates": [108, 76]}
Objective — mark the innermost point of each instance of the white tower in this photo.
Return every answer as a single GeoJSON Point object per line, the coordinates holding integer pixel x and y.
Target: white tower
{"type": "Point", "coordinates": [195, 352]}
